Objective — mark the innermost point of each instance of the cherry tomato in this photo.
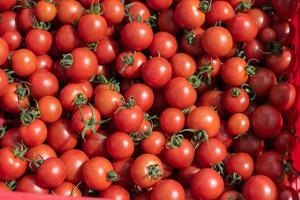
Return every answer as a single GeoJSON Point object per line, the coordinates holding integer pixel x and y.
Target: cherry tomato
{"type": "Point", "coordinates": [13, 39]}
{"type": "Point", "coordinates": [67, 38]}
{"type": "Point", "coordinates": [8, 21]}
{"type": "Point", "coordinates": [166, 23]}
{"type": "Point", "coordinates": [236, 100]}
{"type": "Point", "coordinates": [220, 11]}
{"type": "Point", "coordinates": [4, 187]}
{"type": "Point", "coordinates": [50, 108]}
{"type": "Point", "coordinates": [231, 194]}
{"type": "Point", "coordinates": [250, 144]}
{"type": "Point", "coordinates": [212, 98]}
{"type": "Point", "coordinates": [279, 63]}
{"type": "Point", "coordinates": [284, 142]}
{"type": "Point", "coordinates": [238, 124]}
{"type": "Point", "coordinates": [154, 143]}
{"type": "Point", "coordinates": [241, 164]}
{"type": "Point", "coordinates": [172, 120]}
{"type": "Point", "coordinates": [38, 41]}
{"type": "Point", "coordinates": [283, 96]}
{"type": "Point", "coordinates": [11, 138]}
{"type": "Point", "coordinates": [183, 65]}
{"type": "Point", "coordinates": [191, 42]}
{"type": "Point", "coordinates": [113, 11]}
{"type": "Point", "coordinates": [29, 184]}
{"type": "Point", "coordinates": [42, 151]}
{"type": "Point", "coordinates": [45, 11]}
{"type": "Point", "coordinates": [261, 18]}
{"type": "Point", "coordinates": [224, 136]}
{"type": "Point", "coordinates": [33, 134]}
{"type": "Point", "coordinates": [167, 189]}
{"type": "Point", "coordinates": [6, 5]}
{"type": "Point", "coordinates": [44, 62]}
{"type": "Point", "coordinates": [254, 50]}
{"type": "Point", "coordinates": [163, 44]}
{"type": "Point", "coordinates": [107, 50]}
{"type": "Point", "coordinates": [4, 50]}
{"type": "Point", "coordinates": [186, 174]}
{"type": "Point", "coordinates": [159, 5]}
{"type": "Point", "coordinates": [67, 189]}
{"type": "Point", "coordinates": [72, 95]}
{"type": "Point", "coordinates": [122, 168]}
{"type": "Point", "coordinates": [115, 192]}
{"type": "Point", "coordinates": [119, 146]}
{"type": "Point", "coordinates": [24, 62]}
{"type": "Point", "coordinates": [138, 11]}
{"type": "Point", "coordinates": [69, 11]}
{"type": "Point", "coordinates": [94, 145]}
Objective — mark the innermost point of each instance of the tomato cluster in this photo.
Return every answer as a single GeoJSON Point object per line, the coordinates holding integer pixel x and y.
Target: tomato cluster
{"type": "Point", "coordinates": [153, 99]}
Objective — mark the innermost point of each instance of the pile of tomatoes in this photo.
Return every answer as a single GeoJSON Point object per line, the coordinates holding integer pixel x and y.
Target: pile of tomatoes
{"type": "Point", "coordinates": [153, 99]}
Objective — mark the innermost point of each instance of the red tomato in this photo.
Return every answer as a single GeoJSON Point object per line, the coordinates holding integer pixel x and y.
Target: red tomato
{"type": "Point", "coordinates": [39, 152]}
{"type": "Point", "coordinates": [122, 168]}
{"type": "Point", "coordinates": [186, 174]}
{"type": "Point", "coordinates": [191, 42]}
{"type": "Point", "coordinates": [231, 194]}
{"type": "Point", "coordinates": [38, 41]}
{"type": "Point", "coordinates": [4, 187]}
{"type": "Point", "coordinates": [172, 120]}
{"type": "Point", "coordinates": [4, 51]}
{"type": "Point", "coordinates": [163, 44]}
{"type": "Point", "coordinates": [6, 5]}
{"type": "Point", "coordinates": [209, 65]}
{"type": "Point", "coordinates": [94, 145]}
{"type": "Point", "coordinates": [224, 136]}
{"type": "Point", "coordinates": [238, 124]}
{"type": "Point", "coordinates": [236, 100]}
{"type": "Point", "coordinates": [281, 62]}
{"type": "Point", "coordinates": [284, 142]}
{"type": "Point", "coordinates": [8, 21]}
{"type": "Point", "coordinates": [283, 96]}
{"type": "Point", "coordinates": [241, 164]}
{"type": "Point", "coordinates": [220, 11]}
{"type": "Point", "coordinates": [3, 82]}
{"type": "Point", "coordinates": [13, 39]}
{"type": "Point", "coordinates": [154, 143]}
{"type": "Point", "coordinates": [183, 65]}
{"type": "Point", "coordinates": [107, 50]}
{"type": "Point", "coordinates": [34, 133]}
{"type": "Point", "coordinates": [113, 11]}
{"type": "Point", "coordinates": [24, 62]}
{"type": "Point", "coordinates": [158, 5]}
{"type": "Point", "coordinates": [67, 38]}
{"type": "Point", "coordinates": [119, 146]}
{"type": "Point", "coordinates": [72, 95]}
{"type": "Point", "coordinates": [11, 138]}
{"type": "Point", "coordinates": [50, 109]}
{"type": "Point", "coordinates": [213, 98]}
{"type": "Point", "coordinates": [44, 62]}
{"type": "Point", "coordinates": [29, 184]}
{"type": "Point", "coordinates": [115, 192]}
{"type": "Point", "coordinates": [254, 50]}
{"type": "Point", "coordinates": [69, 11]}
{"type": "Point", "coordinates": [268, 34]}
{"type": "Point", "coordinates": [67, 189]}
{"type": "Point", "coordinates": [167, 189]}
{"type": "Point", "coordinates": [166, 23]}
{"type": "Point", "coordinates": [137, 10]}
{"type": "Point", "coordinates": [250, 144]}
{"type": "Point", "coordinates": [261, 18]}
{"type": "Point", "coordinates": [45, 11]}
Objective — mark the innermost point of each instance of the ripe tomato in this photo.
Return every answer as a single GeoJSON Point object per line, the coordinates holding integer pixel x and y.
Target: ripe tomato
{"type": "Point", "coordinates": [34, 133]}
{"type": "Point", "coordinates": [211, 152]}
{"type": "Point", "coordinates": [209, 65]}
{"type": "Point", "coordinates": [8, 21]}
{"type": "Point", "coordinates": [242, 164]}
{"type": "Point", "coordinates": [154, 143]}
{"type": "Point", "coordinates": [268, 34]}
{"type": "Point", "coordinates": [67, 38]}
{"type": "Point", "coordinates": [122, 168]}
{"type": "Point", "coordinates": [94, 145]}
{"type": "Point", "coordinates": [23, 62]}
{"type": "Point", "coordinates": [44, 62]}
{"type": "Point", "coordinates": [282, 96]}
{"type": "Point", "coordinates": [119, 146]}
{"type": "Point", "coordinates": [250, 144]}
{"type": "Point", "coordinates": [167, 189]}
{"type": "Point", "coordinates": [98, 173]}
{"type": "Point", "coordinates": [42, 151]}
{"type": "Point", "coordinates": [231, 194]}
{"type": "Point", "coordinates": [191, 42]}
{"type": "Point", "coordinates": [138, 11]}
{"type": "Point", "coordinates": [61, 137]}
{"type": "Point", "coordinates": [180, 87]}
{"type": "Point", "coordinates": [183, 65]}
{"type": "Point", "coordinates": [115, 192]}
{"type": "Point", "coordinates": [207, 184]}
{"type": "Point", "coordinates": [266, 121]}
{"type": "Point", "coordinates": [13, 39]}
{"type": "Point", "coordinates": [50, 109]}
{"type": "Point", "coordinates": [4, 51]}
{"type": "Point", "coordinates": [220, 11]}
{"type": "Point", "coordinates": [3, 82]}
{"type": "Point", "coordinates": [189, 14]}
{"type": "Point", "coordinates": [213, 98]}
{"type": "Point", "coordinates": [38, 41]}
{"type": "Point", "coordinates": [146, 170]}
{"type": "Point", "coordinates": [163, 44]}
{"type": "Point", "coordinates": [11, 138]}
{"type": "Point", "coordinates": [159, 5]}
{"type": "Point", "coordinates": [13, 164]}
{"type": "Point", "coordinates": [113, 11]}
{"type": "Point", "coordinates": [179, 147]}
{"type": "Point", "coordinates": [261, 18]}
{"type": "Point", "coordinates": [224, 136]}
{"type": "Point", "coordinates": [72, 95]}
{"type": "Point", "coordinates": [260, 187]}
{"type": "Point", "coordinates": [107, 50]}
{"type": "Point", "coordinates": [45, 11]}
{"type": "Point", "coordinates": [284, 142]}
{"type": "Point", "coordinates": [6, 5]}
{"type": "Point", "coordinates": [243, 27]}
{"type": "Point", "coordinates": [281, 62]}
{"type": "Point", "coordinates": [254, 50]}
{"type": "Point", "coordinates": [69, 11]}
{"type": "Point", "coordinates": [186, 174]}
{"type": "Point", "coordinates": [236, 100]}
{"type": "Point", "coordinates": [156, 72]}
{"type": "Point", "coordinates": [29, 184]}
{"type": "Point", "coordinates": [54, 168]}
{"type": "Point", "coordinates": [172, 120]}
{"type": "Point", "coordinates": [74, 160]}
{"type": "Point", "coordinates": [204, 118]}
{"type": "Point", "coordinates": [67, 189]}
{"type": "Point", "coordinates": [166, 23]}
{"type": "Point", "coordinates": [285, 32]}
{"type": "Point", "coordinates": [43, 83]}
{"type": "Point", "coordinates": [238, 124]}
{"type": "Point", "coordinates": [217, 41]}
{"type": "Point", "coordinates": [89, 3]}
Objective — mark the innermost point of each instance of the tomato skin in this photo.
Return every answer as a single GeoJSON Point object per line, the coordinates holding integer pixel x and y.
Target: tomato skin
{"type": "Point", "coordinates": [42, 151]}
{"type": "Point", "coordinates": [220, 11]}
{"type": "Point", "coordinates": [138, 10]}
{"type": "Point", "coordinates": [260, 187]}
{"type": "Point", "coordinates": [193, 46]}
{"type": "Point", "coordinates": [88, 3]}
{"type": "Point", "coordinates": [254, 50]}
{"type": "Point", "coordinates": [233, 71]}
{"type": "Point", "coordinates": [94, 145]}
{"type": "Point", "coordinates": [242, 164]}
{"type": "Point", "coordinates": [284, 142]}
{"type": "Point", "coordinates": [44, 62]}
{"type": "Point", "coordinates": [13, 39]}
{"type": "Point", "coordinates": [163, 44]}
{"type": "Point", "coordinates": [279, 63]}
{"type": "Point", "coordinates": [207, 184]}
{"type": "Point", "coordinates": [154, 144]}
{"type": "Point", "coordinates": [23, 62]}
{"type": "Point", "coordinates": [167, 189]}
{"type": "Point", "coordinates": [285, 32]}
{"type": "Point", "coordinates": [107, 102]}
{"type": "Point", "coordinates": [261, 18]}
{"type": "Point", "coordinates": [250, 144]}
{"type": "Point", "coordinates": [236, 103]}
{"type": "Point", "coordinates": [107, 50]}
{"type": "Point", "coordinates": [211, 152]}
{"type": "Point", "coordinates": [3, 82]}
{"type": "Point", "coordinates": [283, 96]}
{"type": "Point", "coordinates": [74, 160]}
{"type": "Point", "coordinates": [84, 65]}
{"type": "Point", "coordinates": [268, 35]}
{"type": "Point", "coordinates": [186, 174]}
{"type": "Point", "coordinates": [156, 72]}
{"type": "Point", "coordinates": [224, 136]}
{"type": "Point", "coordinates": [204, 118]}
{"type": "Point", "coordinates": [119, 146]}
{"type": "Point", "coordinates": [159, 5]}
{"type": "Point", "coordinates": [8, 22]}
{"type": "Point", "coordinates": [172, 120]}
{"type": "Point", "coordinates": [38, 41]}
{"type": "Point", "coordinates": [114, 11]}
{"type": "Point", "coordinates": [61, 137]}
{"type": "Point", "coordinates": [166, 22]}
{"type": "Point", "coordinates": [262, 82]}
{"type": "Point", "coordinates": [95, 172]}
{"type": "Point", "coordinates": [180, 87]}
{"type": "Point", "coordinates": [122, 168]}
{"type": "Point", "coordinates": [67, 38]}
{"type": "Point", "coordinates": [67, 189]}
{"type": "Point", "coordinates": [50, 108]}
{"type": "Point", "coordinates": [69, 93]}
{"type": "Point", "coordinates": [115, 192]}
{"type": "Point", "coordinates": [33, 134]}
{"type": "Point", "coordinates": [45, 11]}
{"type": "Point", "coordinates": [266, 121]}
{"type": "Point", "coordinates": [185, 152]}
{"type": "Point", "coordinates": [11, 138]}
{"type": "Point", "coordinates": [238, 124]}
{"type": "Point", "coordinates": [217, 41]}
{"type": "Point", "coordinates": [69, 11]}
{"type": "Point", "coordinates": [213, 98]}
{"type": "Point", "coordinates": [183, 65]}
{"type": "Point", "coordinates": [142, 94]}
{"type": "Point", "coordinates": [4, 51]}
{"type": "Point", "coordinates": [54, 168]}
{"type": "Point", "coordinates": [140, 167]}
{"type": "Point", "coordinates": [29, 184]}
{"type": "Point", "coordinates": [188, 15]}
{"type": "Point", "coordinates": [230, 194]}
{"type": "Point", "coordinates": [4, 187]}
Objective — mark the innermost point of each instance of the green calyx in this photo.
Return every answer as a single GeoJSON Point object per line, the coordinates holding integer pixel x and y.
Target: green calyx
{"type": "Point", "coordinates": [175, 141]}
{"type": "Point", "coordinates": [112, 176]}
{"type": "Point", "coordinates": [23, 90]}
{"type": "Point", "coordinates": [233, 179]}
{"type": "Point", "coordinates": [154, 171]}
{"type": "Point", "coordinates": [20, 150]}
{"type": "Point", "coordinates": [235, 92]}
{"type": "Point", "coordinates": [67, 60]}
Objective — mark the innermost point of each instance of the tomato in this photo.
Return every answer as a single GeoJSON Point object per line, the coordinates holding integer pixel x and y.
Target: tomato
{"type": "Point", "coordinates": [119, 146]}
{"type": "Point", "coordinates": [183, 65]}
{"type": "Point", "coordinates": [61, 136]}
{"type": "Point", "coordinates": [67, 38]}
{"type": "Point", "coordinates": [180, 87]}
{"type": "Point", "coordinates": [284, 142]}
{"type": "Point", "coordinates": [179, 147]}
{"type": "Point", "coordinates": [261, 18]}
{"type": "Point", "coordinates": [285, 32]}
{"type": "Point", "coordinates": [142, 94]}
{"type": "Point", "coordinates": [260, 187]}
{"type": "Point", "coordinates": [238, 124]}
{"type": "Point", "coordinates": [29, 184]}
{"type": "Point", "coordinates": [241, 164]}
{"type": "Point", "coordinates": [8, 21]}
{"type": "Point", "coordinates": [146, 170]}
{"type": "Point", "coordinates": [186, 174]}
{"type": "Point", "coordinates": [69, 11]}
{"type": "Point", "coordinates": [191, 42]}
{"type": "Point", "coordinates": [11, 138]}
{"type": "Point", "coordinates": [154, 143]}
{"type": "Point", "coordinates": [166, 23]}
{"type": "Point", "coordinates": [167, 189]}
{"type": "Point", "coordinates": [268, 34]}
{"type": "Point", "coordinates": [250, 144]}
{"type": "Point", "coordinates": [43, 83]}
{"type": "Point", "coordinates": [3, 82]}
{"type": "Point", "coordinates": [262, 82]}
{"type": "Point", "coordinates": [212, 98]}
{"type": "Point", "coordinates": [72, 95]}
{"type": "Point", "coordinates": [286, 9]}
{"type": "Point", "coordinates": [122, 168]}
{"type": "Point", "coordinates": [266, 121]}
{"type": "Point", "coordinates": [235, 100]}
{"type": "Point", "coordinates": [50, 108]}
{"type": "Point", "coordinates": [189, 14]}
{"type": "Point", "coordinates": [6, 5]}
{"type": "Point", "coordinates": [156, 72]}
{"type": "Point", "coordinates": [217, 41]}
{"type": "Point", "coordinates": [23, 62]}
{"type": "Point", "coordinates": [138, 11]}
{"type": "Point", "coordinates": [67, 189]}
{"type": "Point", "coordinates": [281, 62]}
{"type": "Point", "coordinates": [163, 44]}
{"type": "Point", "coordinates": [94, 145]}
{"type": "Point", "coordinates": [231, 194]}
{"type": "Point", "coordinates": [212, 63]}
{"type": "Point", "coordinates": [207, 184]}
{"type": "Point", "coordinates": [287, 193]}
{"type": "Point", "coordinates": [34, 133]}
{"type": "Point", "coordinates": [107, 50]}
{"type": "Point", "coordinates": [115, 192]}
{"type": "Point", "coordinates": [283, 96]}
{"type": "Point", "coordinates": [38, 41]}
{"type": "Point", "coordinates": [4, 50]}
{"type": "Point", "coordinates": [172, 120]}
{"type": "Point", "coordinates": [15, 98]}
{"type": "Point", "coordinates": [87, 87]}
{"type": "Point", "coordinates": [4, 187]}
{"type": "Point", "coordinates": [54, 168]}
{"type": "Point", "coordinates": [128, 64]}
{"type": "Point", "coordinates": [89, 3]}
{"type": "Point", "coordinates": [81, 64]}
{"type": "Point", "coordinates": [254, 50]}
{"type": "Point", "coordinates": [42, 151]}
{"type": "Point", "coordinates": [220, 11]}
{"type": "Point", "coordinates": [113, 11]}
{"type": "Point", "coordinates": [137, 35]}
{"type": "Point", "coordinates": [211, 152]}
{"type": "Point", "coordinates": [98, 173]}
{"type": "Point", "coordinates": [224, 136]}
{"type": "Point", "coordinates": [205, 119]}
{"type": "Point", "coordinates": [45, 11]}
{"type": "Point", "coordinates": [44, 62]}
{"type": "Point", "coordinates": [243, 27]}
{"type": "Point", "coordinates": [159, 5]}
{"type": "Point", "coordinates": [128, 119]}
{"type": "Point", "coordinates": [74, 160]}
{"type": "Point", "coordinates": [13, 39]}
